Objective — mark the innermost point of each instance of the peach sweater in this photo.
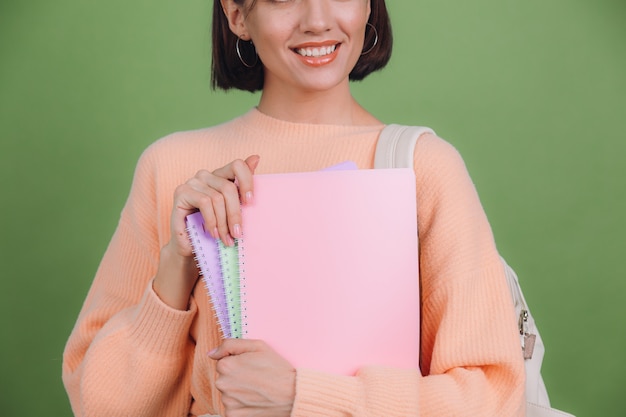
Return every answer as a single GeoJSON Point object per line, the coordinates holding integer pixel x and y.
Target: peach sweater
{"type": "Point", "coordinates": [131, 355]}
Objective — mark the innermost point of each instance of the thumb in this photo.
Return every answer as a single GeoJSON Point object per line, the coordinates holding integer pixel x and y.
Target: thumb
{"type": "Point", "coordinates": [253, 162]}
{"type": "Point", "coordinates": [235, 347]}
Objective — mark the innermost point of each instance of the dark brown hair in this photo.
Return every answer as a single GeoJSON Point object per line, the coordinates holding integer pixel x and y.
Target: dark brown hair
{"type": "Point", "coordinates": [227, 70]}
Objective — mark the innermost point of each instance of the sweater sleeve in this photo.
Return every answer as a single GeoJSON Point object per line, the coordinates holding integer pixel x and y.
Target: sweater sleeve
{"type": "Point", "coordinates": [471, 364]}
{"type": "Point", "coordinates": [129, 353]}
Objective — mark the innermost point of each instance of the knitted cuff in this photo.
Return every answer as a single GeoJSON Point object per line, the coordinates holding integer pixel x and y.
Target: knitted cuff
{"type": "Point", "coordinates": [159, 328]}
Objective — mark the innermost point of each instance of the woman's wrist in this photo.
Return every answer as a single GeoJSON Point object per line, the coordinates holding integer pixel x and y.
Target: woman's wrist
{"type": "Point", "coordinates": [175, 278]}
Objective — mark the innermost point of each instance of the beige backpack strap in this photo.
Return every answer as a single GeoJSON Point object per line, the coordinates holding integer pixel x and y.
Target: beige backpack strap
{"type": "Point", "coordinates": [396, 144]}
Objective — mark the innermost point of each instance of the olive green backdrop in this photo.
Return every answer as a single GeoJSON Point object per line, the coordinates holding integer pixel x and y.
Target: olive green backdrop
{"type": "Point", "coordinates": [532, 92]}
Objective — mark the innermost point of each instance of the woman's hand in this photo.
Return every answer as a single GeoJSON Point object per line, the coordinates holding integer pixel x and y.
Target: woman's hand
{"type": "Point", "coordinates": [218, 195]}
{"type": "Point", "coordinates": [254, 379]}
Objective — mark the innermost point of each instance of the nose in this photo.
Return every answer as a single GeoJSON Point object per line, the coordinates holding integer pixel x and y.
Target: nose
{"type": "Point", "coordinates": [316, 16]}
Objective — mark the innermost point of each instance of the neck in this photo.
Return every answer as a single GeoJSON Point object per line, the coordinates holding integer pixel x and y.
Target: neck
{"type": "Point", "coordinates": [335, 106]}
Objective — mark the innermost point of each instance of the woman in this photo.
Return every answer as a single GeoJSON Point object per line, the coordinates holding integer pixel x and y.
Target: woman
{"type": "Point", "coordinates": [146, 342]}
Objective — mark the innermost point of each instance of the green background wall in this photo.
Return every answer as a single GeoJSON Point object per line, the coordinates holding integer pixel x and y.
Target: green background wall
{"type": "Point", "coordinates": [531, 92]}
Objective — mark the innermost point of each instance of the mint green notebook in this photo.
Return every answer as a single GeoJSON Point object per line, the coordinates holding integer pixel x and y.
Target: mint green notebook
{"type": "Point", "coordinates": [229, 260]}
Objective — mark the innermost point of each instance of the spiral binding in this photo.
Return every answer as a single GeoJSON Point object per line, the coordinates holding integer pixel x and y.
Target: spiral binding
{"type": "Point", "coordinates": [243, 294]}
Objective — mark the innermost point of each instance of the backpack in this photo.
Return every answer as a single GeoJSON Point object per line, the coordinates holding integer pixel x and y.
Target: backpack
{"type": "Point", "coordinates": [395, 149]}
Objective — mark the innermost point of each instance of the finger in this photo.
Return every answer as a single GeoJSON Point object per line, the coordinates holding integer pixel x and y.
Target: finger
{"type": "Point", "coordinates": [210, 220]}
{"type": "Point", "coordinates": [194, 195]}
{"type": "Point", "coordinates": [186, 201]}
{"type": "Point", "coordinates": [241, 173]}
{"type": "Point", "coordinates": [219, 205]}
{"type": "Point", "coordinates": [253, 162]}
{"type": "Point", "coordinates": [247, 190]}
{"type": "Point", "coordinates": [236, 347]}
{"type": "Point", "coordinates": [227, 208]}
{"type": "Point", "coordinates": [222, 192]}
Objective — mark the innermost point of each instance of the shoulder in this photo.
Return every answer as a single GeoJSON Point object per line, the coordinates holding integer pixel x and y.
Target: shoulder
{"type": "Point", "coordinates": [189, 145]}
{"type": "Point", "coordinates": [183, 142]}
{"type": "Point", "coordinates": [436, 159]}
{"type": "Point", "coordinates": [443, 184]}
{"type": "Point", "coordinates": [174, 143]}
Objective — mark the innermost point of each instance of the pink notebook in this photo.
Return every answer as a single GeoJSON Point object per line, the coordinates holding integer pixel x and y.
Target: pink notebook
{"type": "Point", "coordinates": [329, 268]}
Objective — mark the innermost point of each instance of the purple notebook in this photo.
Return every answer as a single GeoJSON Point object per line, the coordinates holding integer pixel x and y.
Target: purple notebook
{"type": "Point", "coordinates": [206, 251]}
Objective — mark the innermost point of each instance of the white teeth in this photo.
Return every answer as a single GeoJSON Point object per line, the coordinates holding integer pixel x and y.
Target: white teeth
{"type": "Point", "coordinates": [316, 52]}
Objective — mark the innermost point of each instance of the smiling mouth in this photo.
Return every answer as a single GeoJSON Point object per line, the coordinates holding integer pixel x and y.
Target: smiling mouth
{"type": "Point", "coordinates": [316, 52]}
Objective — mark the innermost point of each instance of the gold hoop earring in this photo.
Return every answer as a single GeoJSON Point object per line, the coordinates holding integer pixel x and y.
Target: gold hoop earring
{"type": "Point", "coordinates": [375, 39]}
{"type": "Point", "coordinates": [243, 61]}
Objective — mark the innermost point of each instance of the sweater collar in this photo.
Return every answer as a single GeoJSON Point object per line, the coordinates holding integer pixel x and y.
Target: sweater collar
{"type": "Point", "coordinates": [279, 129]}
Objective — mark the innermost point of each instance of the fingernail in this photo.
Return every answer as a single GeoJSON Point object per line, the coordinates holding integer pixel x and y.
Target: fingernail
{"type": "Point", "coordinates": [237, 230]}
{"type": "Point", "coordinates": [229, 241]}
{"type": "Point", "coordinates": [215, 233]}
{"type": "Point", "coordinates": [249, 197]}
{"type": "Point", "coordinates": [212, 352]}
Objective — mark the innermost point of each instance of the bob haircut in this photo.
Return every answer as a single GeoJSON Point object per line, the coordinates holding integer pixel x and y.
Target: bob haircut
{"type": "Point", "coordinates": [227, 70]}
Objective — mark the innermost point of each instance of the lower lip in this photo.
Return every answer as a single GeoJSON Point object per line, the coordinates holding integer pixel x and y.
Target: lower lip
{"type": "Point", "coordinates": [318, 61]}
